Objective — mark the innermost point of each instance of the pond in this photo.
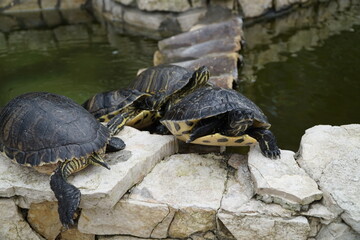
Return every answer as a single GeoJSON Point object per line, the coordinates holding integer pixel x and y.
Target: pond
{"type": "Point", "coordinates": [300, 74]}
{"type": "Point", "coordinates": [73, 60]}
{"type": "Point", "coordinates": [308, 74]}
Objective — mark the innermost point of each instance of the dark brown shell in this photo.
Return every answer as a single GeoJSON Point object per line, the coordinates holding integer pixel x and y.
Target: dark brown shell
{"type": "Point", "coordinates": [167, 79]}
{"type": "Point", "coordinates": [40, 128]}
{"type": "Point", "coordinates": [211, 101]}
{"type": "Point", "coordinates": [104, 103]}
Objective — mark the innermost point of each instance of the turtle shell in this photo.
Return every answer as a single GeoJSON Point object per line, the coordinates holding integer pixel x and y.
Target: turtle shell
{"type": "Point", "coordinates": [43, 128]}
{"type": "Point", "coordinates": [167, 79]}
{"type": "Point", "coordinates": [106, 105]}
{"type": "Point", "coordinates": [208, 102]}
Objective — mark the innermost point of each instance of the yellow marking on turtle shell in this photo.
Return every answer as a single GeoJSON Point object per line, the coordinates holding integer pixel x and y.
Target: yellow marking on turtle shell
{"type": "Point", "coordinates": [106, 118]}
{"type": "Point", "coordinates": [143, 119]}
{"type": "Point", "coordinates": [216, 139]}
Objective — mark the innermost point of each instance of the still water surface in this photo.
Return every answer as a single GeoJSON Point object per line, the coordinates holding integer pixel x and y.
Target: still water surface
{"type": "Point", "coordinates": [296, 90]}
{"type": "Point", "coordinates": [77, 70]}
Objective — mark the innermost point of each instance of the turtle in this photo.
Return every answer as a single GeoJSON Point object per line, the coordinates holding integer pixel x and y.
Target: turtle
{"type": "Point", "coordinates": [117, 107]}
{"type": "Point", "coordinates": [46, 130]}
{"type": "Point", "coordinates": [220, 117]}
{"type": "Point", "coordinates": [167, 84]}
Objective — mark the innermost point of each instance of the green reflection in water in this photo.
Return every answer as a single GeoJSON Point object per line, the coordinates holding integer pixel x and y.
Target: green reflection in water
{"type": "Point", "coordinates": [76, 70]}
{"type": "Point", "coordinates": [313, 87]}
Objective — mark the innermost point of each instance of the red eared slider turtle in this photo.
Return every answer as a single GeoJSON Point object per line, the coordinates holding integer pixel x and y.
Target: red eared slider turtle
{"type": "Point", "coordinates": [220, 117]}
{"type": "Point", "coordinates": [42, 129]}
{"type": "Point", "coordinates": [140, 106]}
{"type": "Point", "coordinates": [118, 107]}
{"type": "Point", "coordinates": [167, 84]}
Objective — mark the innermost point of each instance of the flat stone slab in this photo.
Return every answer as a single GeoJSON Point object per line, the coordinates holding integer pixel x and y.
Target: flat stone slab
{"type": "Point", "coordinates": [231, 28]}
{"type": "Point", "coordinates": [247, 218]}
{"type": "Point", "coordinates": [282, 180]}
{"type": "Point", "coordinates": [331, 156]}
{"type": "Point", "coordinates": [100, 187]}
{"type": "Point", "coordinates": [179, 197]}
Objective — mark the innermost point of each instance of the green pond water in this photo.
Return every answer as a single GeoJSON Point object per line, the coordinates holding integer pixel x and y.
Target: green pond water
{"type": "Point", "coordinates": [321, 86]}
{"type": "Point", "coordinates": [78, 70]}
{"type": "Point", "coordinates": [297, 90]}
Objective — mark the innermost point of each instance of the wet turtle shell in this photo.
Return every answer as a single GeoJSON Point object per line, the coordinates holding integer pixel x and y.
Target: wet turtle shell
{"type": "Point", "coordinates": [104, 106]}
{"type": "Point", "coordinates": [167, 79]}
{"type": "Point", "coordinates": [168, 84]}
{"type": "Point", "coordinates": [43, 128]}
{"type": "Point", "coordinates": [209, 102]}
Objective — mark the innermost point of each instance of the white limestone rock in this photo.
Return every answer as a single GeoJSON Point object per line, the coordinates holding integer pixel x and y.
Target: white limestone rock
{"type": "Point", "coordinates": [281, 180]}
{"type": "Point", "coordinates": [318, 210]}
{"type": "Point", "coordinates": [337, 231]}
{"type": "Point", "coordinates": [258, 220]}
{"type": "Point", "coordinates": [247, 218]}
{"type": "Point", "coordinates": [331, 156]}
{"type": "Point", "coordinates": [254, 8]}
{"type": "Point", "coordinates": [190, 183]}
{"type": "Point", "coordinates": [178, 198]}
{"type": "Point", "coordinates": [239, 187]}
{"type": "Point", "coordinates": [13, 225]}
{"type": "Point", "coordinates": [99, 187]}
{"type": "Point", "coordinates": [127, 217]}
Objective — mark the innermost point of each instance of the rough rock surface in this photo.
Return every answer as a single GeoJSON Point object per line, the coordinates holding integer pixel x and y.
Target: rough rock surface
{"type": "Point", "coordinates": [44, 219]}
{"type": "Point", "coordinates": [337, 231]}
{"type": "Point", "coordinates": [99, 186]}
{"type": "Point", "coordinates": [279, 180]}
{"type": "Point", "coordinates": [178, 198]}
{"type": "Point", "coordinates": [247, 218]}
{"type": "Point", "coordinates": [156, 5]}
{"type": "Point", "coordinates": [331, 156]}
{"type": "Point", "coordinates": [13, 225]}
{"type": "Point", "coordinates": [254, 8]}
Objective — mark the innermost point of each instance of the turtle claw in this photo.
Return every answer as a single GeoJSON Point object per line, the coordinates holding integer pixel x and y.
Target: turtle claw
{"type": "Point", "coordinates": [272, 154]}
{"type": "Point", "coordinates": [115, 144]}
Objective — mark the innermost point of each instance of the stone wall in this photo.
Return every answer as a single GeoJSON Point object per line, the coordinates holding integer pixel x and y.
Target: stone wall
{"type": "Point", "coordinates": [48, 30]}
{"type": "Point", "coordinates": [153, 193]}
{"type": "Point", "coordinates": [170, 17]}
{"type": "Point", "coordinates": [10, 6]}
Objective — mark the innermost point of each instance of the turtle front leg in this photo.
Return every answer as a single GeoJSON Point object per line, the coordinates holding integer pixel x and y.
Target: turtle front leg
{"type": "Point", "coordinates": [204, 127]}
{"type": "Point", "coordinates": [117, 123]}
{"type": "Point", "coordinates": [115, 144]}
{"type": "Point", "coordinates": [267, 142]}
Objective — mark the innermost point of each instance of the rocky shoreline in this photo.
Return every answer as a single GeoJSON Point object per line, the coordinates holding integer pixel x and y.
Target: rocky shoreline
{"type": "Point", "coordinates": [154, 193]}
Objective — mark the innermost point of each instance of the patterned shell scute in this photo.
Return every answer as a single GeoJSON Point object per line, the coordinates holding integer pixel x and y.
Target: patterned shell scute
{"type": "Point", "coordinates": [163, 78]}
{"type": "Point", "coordinates": [212, 101]}
{"type": "Point", "coordinates": [107, 102]}
{"type": "Point", "coordinates": [39, 128]}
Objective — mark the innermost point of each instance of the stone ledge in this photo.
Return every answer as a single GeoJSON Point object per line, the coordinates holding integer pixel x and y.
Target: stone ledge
{"type": "Point", "coordinates": [330, 155]}
{"type": "Point", "coordinates": [279, 180]}
{"type": "Point", "coordinates": [99, 186]}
